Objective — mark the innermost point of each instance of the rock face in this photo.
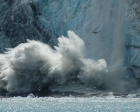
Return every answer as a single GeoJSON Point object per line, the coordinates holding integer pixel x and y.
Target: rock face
{"type": "Point", "coordinates": [109, 28]}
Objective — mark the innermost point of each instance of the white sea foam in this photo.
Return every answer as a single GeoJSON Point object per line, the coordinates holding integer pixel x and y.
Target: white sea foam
{"type": "Point", "coordinates": [34, 65]}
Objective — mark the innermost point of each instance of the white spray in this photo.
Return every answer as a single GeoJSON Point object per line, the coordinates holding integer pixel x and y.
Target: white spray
{"type": "Point", "coordinates": [34, 65]}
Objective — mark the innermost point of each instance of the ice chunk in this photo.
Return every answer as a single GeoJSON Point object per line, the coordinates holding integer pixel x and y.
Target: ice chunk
{"type": "Point", "coordinates": [98, 29]}
{"type": "Point", "coordinates": [31, 95]}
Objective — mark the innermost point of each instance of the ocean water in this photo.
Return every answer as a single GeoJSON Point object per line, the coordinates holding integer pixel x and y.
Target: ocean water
{"type": "Point", "coordinates": [70, 104]}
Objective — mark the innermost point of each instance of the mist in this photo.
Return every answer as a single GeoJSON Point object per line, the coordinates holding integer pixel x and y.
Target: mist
{"type": "Point", "coordinates": [34, 65]}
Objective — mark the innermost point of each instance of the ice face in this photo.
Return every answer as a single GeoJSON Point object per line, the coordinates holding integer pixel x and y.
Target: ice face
{"type": "Point", "coordinates": [109, 27]}
{"type": "Point", "coordinates": [84, 17]}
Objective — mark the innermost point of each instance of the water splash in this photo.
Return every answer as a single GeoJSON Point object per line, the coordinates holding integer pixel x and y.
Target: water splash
{"type": "Point", "coordinates": [34, 65]}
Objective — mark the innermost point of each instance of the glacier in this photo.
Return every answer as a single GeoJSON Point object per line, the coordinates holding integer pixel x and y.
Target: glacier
{"type": "Point", "coordinates": [109, 30]}
{"type": "Point", "coordinates": [117, 20]}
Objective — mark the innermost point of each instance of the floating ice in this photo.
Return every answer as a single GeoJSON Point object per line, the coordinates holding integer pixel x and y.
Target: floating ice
{"type": "Point", "coordinates": [31, 95]}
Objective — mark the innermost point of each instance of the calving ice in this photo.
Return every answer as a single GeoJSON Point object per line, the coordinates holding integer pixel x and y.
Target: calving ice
{"type": "Point", "coordinates": [34, 65]}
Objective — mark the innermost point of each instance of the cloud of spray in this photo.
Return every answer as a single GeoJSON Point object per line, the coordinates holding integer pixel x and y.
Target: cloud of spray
{"type": "Point", "coordinates": [34, 65]}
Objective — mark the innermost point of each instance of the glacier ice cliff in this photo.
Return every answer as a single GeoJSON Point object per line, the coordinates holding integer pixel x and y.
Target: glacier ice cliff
{"type": "Point", "coordinates": [109, 28]}
{"type": "Point", "coordinates": [19, 21]}
{"type": "Point", "coordinates": [116, 20]}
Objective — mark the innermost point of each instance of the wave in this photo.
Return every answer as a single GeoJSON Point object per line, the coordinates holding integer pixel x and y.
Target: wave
{"type": "Point", "coordinates": [34, 65]}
